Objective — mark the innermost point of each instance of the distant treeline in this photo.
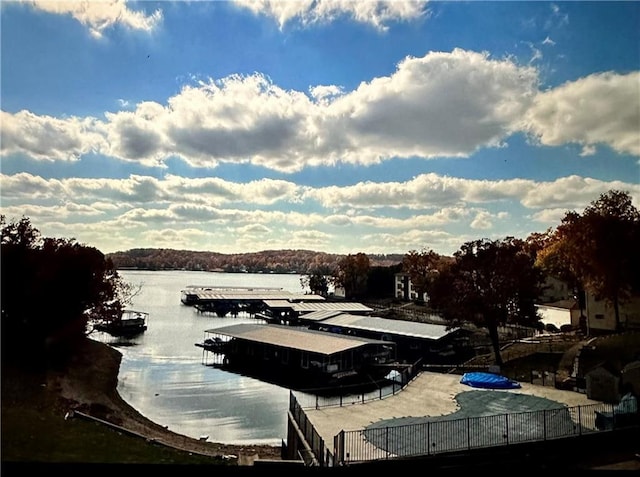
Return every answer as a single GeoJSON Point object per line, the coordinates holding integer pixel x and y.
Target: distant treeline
{"type": "Point", "coordinates": [269, 261]}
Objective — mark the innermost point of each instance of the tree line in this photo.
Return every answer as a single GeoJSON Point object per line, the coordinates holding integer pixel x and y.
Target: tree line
{"type": "Point", "coordinates": [497, 282]}
{"type": "Point", "coordinates": [53, 287]}
{"type": "Point", "coordinates": [267, 261]}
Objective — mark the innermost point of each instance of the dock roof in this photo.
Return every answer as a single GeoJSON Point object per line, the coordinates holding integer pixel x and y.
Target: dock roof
{"type": "Point", "coordinates": [385, 325]}
{"type": "Point", "coordinates": [252, 294]}
{"type": "Point", "coordinates": [319, 342]}
{"type": "Point", "coordinates": [307, 307]}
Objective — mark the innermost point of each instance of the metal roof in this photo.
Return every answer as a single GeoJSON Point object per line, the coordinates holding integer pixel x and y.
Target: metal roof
{"type": "Point", "coordinates": [321, 315]}
{"type": "Point", "coordinates": [304, 339]}
{"type": "Point", "coordinates": [305, 307]}
{"type": "Point", "coordinates": [253, 294]}
{"type": "Point", "coordinates": [394, 327]}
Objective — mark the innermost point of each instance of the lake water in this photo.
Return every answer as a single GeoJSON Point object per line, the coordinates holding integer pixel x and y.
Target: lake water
{"type": "Point", "coordinates": [163, 376]}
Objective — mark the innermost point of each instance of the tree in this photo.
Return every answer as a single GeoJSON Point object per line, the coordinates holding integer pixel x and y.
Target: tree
{"type": "Point", "coordinates": [422, 268]}
{"type": "Point", "coordinates": [490, 283]}
{"type": "Point", "coordinates": [381, 280]}
{"type": "Point", "coordinates": [599, 249]}
{"type": "Point", "coordinates": [51, 288]}
{"type": "Point", "coordinates": [352, 273]}
{"type": "Point", "coordinates": [317, 281]}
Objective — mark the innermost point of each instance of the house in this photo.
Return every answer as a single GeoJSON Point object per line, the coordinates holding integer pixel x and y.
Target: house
{"type": "Point", "coordinates": [558, 304]}
{"type": "Point", "coordinates": [559, 314]}
{"type": "Point", "coordinates": [554, 290]}
{"type": "Point", "coordinates": [601, 316]}
{"type": "Point", "coordinates": [404, 289]}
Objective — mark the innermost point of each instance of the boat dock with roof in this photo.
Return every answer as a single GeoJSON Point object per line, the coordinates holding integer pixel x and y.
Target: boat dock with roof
{"type": "Point", "coordinates": [302, 355]}
{"type": "Point", "coordinates": [232, 300]}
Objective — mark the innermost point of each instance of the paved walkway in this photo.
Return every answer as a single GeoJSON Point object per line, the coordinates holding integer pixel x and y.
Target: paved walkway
{"type": "Point", "coordinates": [434, 394]}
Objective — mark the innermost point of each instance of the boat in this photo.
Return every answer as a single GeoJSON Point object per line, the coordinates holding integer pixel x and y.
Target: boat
{"type": "Point", "coordinates": [130, 323]}
{"type": "Point", "coordinates": [215, 345]}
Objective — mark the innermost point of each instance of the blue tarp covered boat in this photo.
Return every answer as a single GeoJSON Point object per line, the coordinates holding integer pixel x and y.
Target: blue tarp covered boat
{"type": "Point", "coordinates": [488, 381]}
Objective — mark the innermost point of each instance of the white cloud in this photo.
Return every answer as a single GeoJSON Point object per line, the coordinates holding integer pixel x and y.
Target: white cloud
{"type": "Point", "coordinates": [100, 15]}
{"type": "Point", "coordinates": [325, 94]}
{"type": "Point", "coordinates": [108, 212]}
{"type": "Point", "coordinates": [551, 217]}
{"type": "Point", "coordinates": [598, 109]}
{"type": "Point", "coordinates": [48, 138]}
{"type": "Point", "coordinates": [572, 192]}
{"type": "Point", "coordinates": [441, 199]}
{"type": "Point", "coordinates": [376, 13]}
{"type": "Point", "coordinates": [443, 104]}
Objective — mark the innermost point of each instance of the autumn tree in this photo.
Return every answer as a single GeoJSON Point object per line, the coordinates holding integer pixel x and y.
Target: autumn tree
{"type": "Point", "coordinates": [51, 288]}
{"type": "Point", "coordinates": [599, 248]}
{"type": "Point", "coordinates": [489, 283]}
{"type": "Point", "coordinates": [317, 280]}
{"type": "Point", "coordinates": [422, 268]}
{"type": "Point", "coordinates": [381, 281]}
{"type": "Point", "coordinates": [352, 273]}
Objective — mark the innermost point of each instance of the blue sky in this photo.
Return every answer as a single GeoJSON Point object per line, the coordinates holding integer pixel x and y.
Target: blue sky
{"type": "Point", "coordinates": [336, 126]}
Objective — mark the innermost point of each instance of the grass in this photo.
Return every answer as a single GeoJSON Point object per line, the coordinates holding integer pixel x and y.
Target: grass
{"type": "Point", "coordinates": [34, 431]}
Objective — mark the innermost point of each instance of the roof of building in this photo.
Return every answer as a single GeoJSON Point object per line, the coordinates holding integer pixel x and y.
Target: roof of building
{"type": "Point", "coordinates": [307, 307]}
{"type": "Point", "coordinates": [253, 294]}
{"type": "Point", "coordinates": [321, 315]}
{"type": "Point", "coordinates": [563, 304]}
{"type": "Point", "coordinates": [295, 337]}
{"type": "Point", "coordinates": [395, 327]}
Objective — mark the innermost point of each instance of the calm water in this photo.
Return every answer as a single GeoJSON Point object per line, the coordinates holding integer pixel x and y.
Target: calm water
{"type": "Point", "coordinates": [163, 376]}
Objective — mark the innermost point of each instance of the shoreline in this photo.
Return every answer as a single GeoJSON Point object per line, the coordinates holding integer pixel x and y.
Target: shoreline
{"type": "Point", "coordinates": [89, 386]}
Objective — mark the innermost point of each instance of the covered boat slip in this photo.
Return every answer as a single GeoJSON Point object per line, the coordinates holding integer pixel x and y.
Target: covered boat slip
{"type": "Point", "coordinates": [434, 343]}
{"type": "Point", "coordinates": [323, 358]}
{"type": "Point", "coordinates": [296, 312]}
{"type": "Point", "coordinates": [189, 295]}
{"type": "Point", "coordinates": [225, 300]}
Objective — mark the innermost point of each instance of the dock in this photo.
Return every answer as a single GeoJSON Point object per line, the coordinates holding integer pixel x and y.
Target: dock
{"type": "Point", "coordinates": [233, 300]}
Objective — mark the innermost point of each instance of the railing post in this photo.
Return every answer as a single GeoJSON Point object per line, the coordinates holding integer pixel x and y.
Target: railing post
{"type": "Point", "coordinates": [544, 424]}
{"type": "Point", "coordinates": [506, 430]}
{"type": "Point", "coordinates": [580, 420]}
{"type": "Point", "coordinates": [386, 440]}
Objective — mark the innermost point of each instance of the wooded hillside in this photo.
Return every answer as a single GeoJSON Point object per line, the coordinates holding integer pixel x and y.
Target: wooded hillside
{"type": "Point", "coordinates": [276, 261]}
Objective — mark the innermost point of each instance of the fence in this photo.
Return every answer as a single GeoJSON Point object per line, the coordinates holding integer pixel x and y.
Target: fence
{"type": "Point", "coordinates": [299, 401]}
{"type": "Point", "coordinates": [455, 435]}
{"type": "Point", "coordinates": [345, 395]}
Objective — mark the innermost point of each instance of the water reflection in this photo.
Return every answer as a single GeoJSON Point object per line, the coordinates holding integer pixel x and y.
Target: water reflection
{"type": "Point", "coordinates": [163, 376]}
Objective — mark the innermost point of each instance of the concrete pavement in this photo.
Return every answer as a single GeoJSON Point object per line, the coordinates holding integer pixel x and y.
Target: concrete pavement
{"type": "Point", "coordinates": [428, 395]}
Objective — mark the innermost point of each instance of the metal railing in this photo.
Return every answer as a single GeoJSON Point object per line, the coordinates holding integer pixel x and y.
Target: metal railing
{"type": "Point", "coordinates": [346, 395]}
{"type": "Point", "coordinates": [455, 435]}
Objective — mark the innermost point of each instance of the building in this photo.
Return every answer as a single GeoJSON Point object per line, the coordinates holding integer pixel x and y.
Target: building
{"type": "Point", "coordinates": [432, 343]}
{"type": "Point", "coordinates": [559, 315]}
{"type": "Point", "coordinates": [404, 289]}
{"type": "Point", "coordinates": [559, 305]}
{"type": "Point", "coordinates": [294, 312]}
{"type": "Point", "coordinates": [601, 316]}
{"type": "Point", "coordinates": [298, 357]}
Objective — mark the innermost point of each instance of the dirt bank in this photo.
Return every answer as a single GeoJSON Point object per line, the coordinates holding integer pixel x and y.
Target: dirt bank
{"type": "Point", "coordinates": [89, 385]}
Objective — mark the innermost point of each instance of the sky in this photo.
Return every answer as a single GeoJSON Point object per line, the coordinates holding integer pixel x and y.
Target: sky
{"type": "Point", "coordinates": [336, 126]}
